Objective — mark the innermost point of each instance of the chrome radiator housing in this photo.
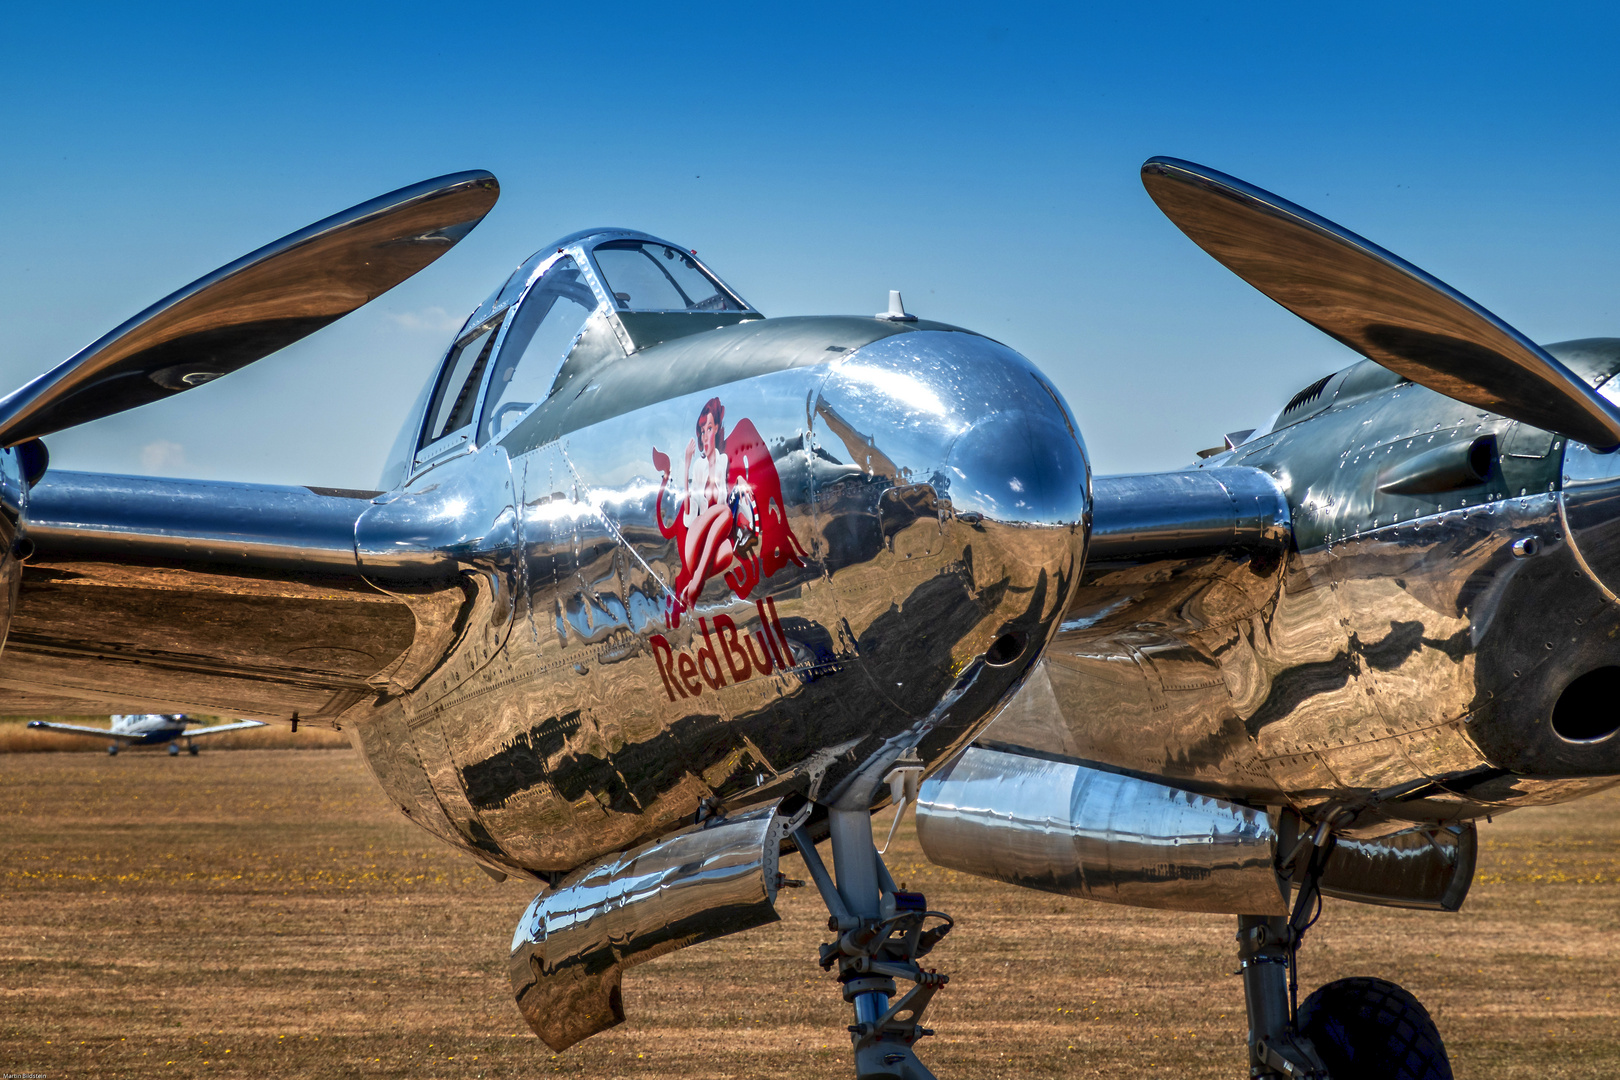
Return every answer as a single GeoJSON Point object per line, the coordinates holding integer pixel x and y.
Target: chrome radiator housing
{"type": "Point", "coordinates": [574, 942]}
{"type": "Point", "coordinates": [1069, 829]}
{"type": "Point", "coordinates": [1081, 831]}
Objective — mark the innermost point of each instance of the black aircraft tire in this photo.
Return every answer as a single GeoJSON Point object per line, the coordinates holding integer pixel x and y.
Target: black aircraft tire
{"type": "Point", "coordinates": [1371, 1029]}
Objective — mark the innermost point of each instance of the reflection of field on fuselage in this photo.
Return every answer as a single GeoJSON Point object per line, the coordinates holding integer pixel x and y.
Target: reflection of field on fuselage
{"type": "Point", "coordinates": [592, 723]}
{"type": "Point", "coordinates": [1402, 662]}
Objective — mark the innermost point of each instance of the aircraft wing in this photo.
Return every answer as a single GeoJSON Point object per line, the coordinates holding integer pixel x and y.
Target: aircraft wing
{"type": "Point", "coordinates": [240, 725]}
{"type": "Point", "coordinates": [147, 595]}
{"type": "Point", "coordinates": [170, 596]}
{"type": "Point", "coordinates": [79, 729]}
{"type": "Point", "coordinates": [1174, 558]}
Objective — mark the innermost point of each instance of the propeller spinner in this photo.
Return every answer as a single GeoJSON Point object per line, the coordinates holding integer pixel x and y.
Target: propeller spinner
{"type": "Point", "coordinates": [1377, 303]}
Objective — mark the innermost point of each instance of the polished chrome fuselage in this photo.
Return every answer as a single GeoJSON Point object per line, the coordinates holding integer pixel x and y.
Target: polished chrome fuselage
{"type": "Point", "coordinates": [571, 718]}
{"type": "Point", "coordinates": [499, 636]}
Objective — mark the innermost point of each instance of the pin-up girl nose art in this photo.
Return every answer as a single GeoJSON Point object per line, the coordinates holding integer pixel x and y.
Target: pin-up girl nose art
{"type": "Point", "coordinates": [732, 518]}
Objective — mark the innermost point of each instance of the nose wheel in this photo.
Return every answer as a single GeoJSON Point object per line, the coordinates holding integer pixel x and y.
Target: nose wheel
{"type": "Point", "coordinates": [1371, 1027]}
{"type": "Point", "coordinates": [883, 933]}
{"type": "Point", "coordinates": [1347, 1029]}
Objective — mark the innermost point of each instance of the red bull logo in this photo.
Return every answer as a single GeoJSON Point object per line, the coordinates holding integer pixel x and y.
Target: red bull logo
{"type": "Point", "coordinates": [731, 518]}
{"type": "Point", "coordinates": [726, 649]}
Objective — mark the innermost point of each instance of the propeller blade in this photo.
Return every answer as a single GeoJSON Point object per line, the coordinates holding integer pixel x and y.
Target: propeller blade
{"type": "Point", "coordinates": [1377, 303]}
{"type": "Point", "coordinates": [248, 309]}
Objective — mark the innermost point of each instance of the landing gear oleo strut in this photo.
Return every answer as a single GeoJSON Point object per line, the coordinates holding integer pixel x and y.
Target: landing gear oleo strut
{"type": "Point", "coordinates": [882, 934]}
{"type": "Point", "coordinates": [1360, 1027]}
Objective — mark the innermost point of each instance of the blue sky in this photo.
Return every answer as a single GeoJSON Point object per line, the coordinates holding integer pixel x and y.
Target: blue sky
{"type": "Point", "coordinates": [981, 159]}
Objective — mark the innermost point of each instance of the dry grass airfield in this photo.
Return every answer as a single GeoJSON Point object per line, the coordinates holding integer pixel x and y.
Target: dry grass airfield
{"type": "Point", "coordinates": [265, 913]}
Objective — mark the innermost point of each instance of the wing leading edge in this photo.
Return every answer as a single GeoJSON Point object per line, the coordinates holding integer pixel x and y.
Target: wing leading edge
{"type": "Point", "coordinates": [220, 729]}
{"type": "Point", "coordinates": [147, 595]}
{"type": "Point", "coordinates": [84, 729]}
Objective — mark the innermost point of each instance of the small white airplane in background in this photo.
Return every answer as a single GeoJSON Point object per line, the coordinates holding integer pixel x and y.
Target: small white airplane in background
{"type": "Point", "coordinates": [148, 729]}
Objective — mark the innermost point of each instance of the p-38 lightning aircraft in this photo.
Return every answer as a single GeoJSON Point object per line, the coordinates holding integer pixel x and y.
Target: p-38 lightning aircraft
{"type": "Point", "coordinates": [147, 729]}
{"type": "Point", "coordinates": [656, 588]}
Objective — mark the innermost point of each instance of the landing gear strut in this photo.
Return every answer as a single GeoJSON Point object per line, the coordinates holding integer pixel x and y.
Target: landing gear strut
{"type": "Point", "coordinates": [1347, 1030]}
{"type": "Point", "coordinates": [1268, 946]}
{"type": "Point", "coordinates": [881, 937]}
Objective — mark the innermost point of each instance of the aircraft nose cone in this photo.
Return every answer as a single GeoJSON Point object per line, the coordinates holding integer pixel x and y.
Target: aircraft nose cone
{"type": "Point", "coordinates": [1018, 466]}
{"type": "Point", "coordinates": [951, 493]}
{"type": "Point", "coordinates": [1019, 489]}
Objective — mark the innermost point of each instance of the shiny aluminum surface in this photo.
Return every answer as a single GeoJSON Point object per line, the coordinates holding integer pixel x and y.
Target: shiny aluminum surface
{"type": "Point", "coordinates": [1065, 828]}
{"type": "Point", "coordinates": [201, 520]}
{"type": "Point", "coordinates": [1376, 302]}
{"type": "Point", "coordinates": [883, 578]}
{"type": "Point", "coordinates": [1069, 828]}
{"type": "Point", "coordinates": [685, 563]}
{"type": "Point", "coordinates": [1428, 868]}
{"type": "Point", "coordinates": [179, 596]}
{"type": "Point", "coordinates": [1399, 664]}
{"type": "Point", "coordinates": [563, 639]}
{"type": "Point", "coordinates": [574, 942]}
{"type": "Point", "coordinates": [1397, 675]}
{"type": "Point", "coordinates": [501, 641]}
{"type": "Point", "coordinates": [1230, 508]}
{"type": "Point", "coordinates": [522, 647]}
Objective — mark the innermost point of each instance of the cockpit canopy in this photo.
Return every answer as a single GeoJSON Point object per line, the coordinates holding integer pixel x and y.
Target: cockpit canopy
{"type": "Point", "coordinates": [588, 299]}
{"type": "Point", "coordinates": [650, 275]}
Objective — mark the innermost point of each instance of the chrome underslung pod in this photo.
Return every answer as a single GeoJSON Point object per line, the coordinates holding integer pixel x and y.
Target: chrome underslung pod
{"type": "Point", "coordinates": [574, 942]}
{"type": "Point", "coordinates": [1080, 831]}
{"type": "Point", "coordinates": [1428, 868]}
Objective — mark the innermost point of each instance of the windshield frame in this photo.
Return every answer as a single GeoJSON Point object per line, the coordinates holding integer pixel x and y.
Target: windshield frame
{"type": "Point", "coordinates": [429, 450]}
{"type": "Point", "coordinates": [625, 235]}
{"type": "Point", "coordinates": [534, 280]}
{"type": "Point", "coordinates": [581, 247]}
